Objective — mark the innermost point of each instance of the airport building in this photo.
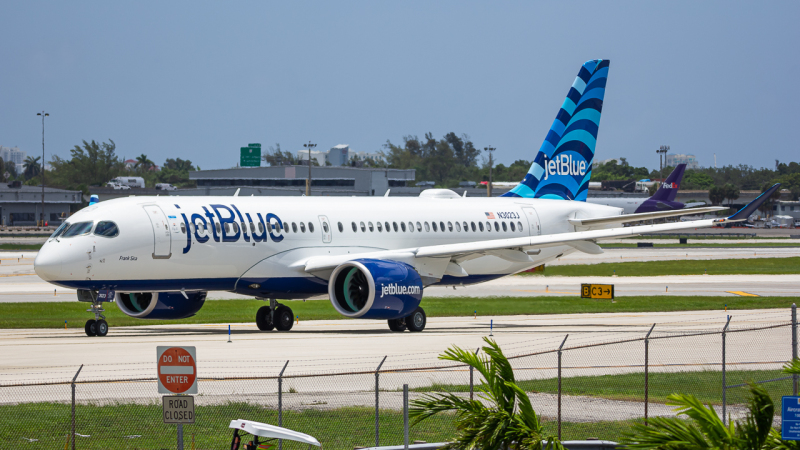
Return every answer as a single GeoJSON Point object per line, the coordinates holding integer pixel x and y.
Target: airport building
{"type": "Point", "coordinates": [339, 155]}
{"type": "Point", "coordinates": [15, 155]}
{"type": "Point", "coordinates": [677, 158]}
{"type": "Point", "coordinates": [291, 180]}
{"type": "Point", "coordinates": [22, 205]}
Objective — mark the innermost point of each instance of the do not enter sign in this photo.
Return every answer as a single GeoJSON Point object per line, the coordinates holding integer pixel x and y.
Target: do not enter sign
{"type": "Point", "coordinates": [177, 370]}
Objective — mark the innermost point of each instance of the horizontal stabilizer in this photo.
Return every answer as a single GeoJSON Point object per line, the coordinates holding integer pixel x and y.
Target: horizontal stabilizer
{"type": "Point", "coordinates": [643, 216]}
{"type": "Point", "coordinates": [751, 207]}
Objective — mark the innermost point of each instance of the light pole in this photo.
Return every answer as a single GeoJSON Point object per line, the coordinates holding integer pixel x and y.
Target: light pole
{"type": "Point", "coordinates": [490, 149]}
{"type": "Point", "coordinates": [309, 146]}
{"type": "Point", "coordinates": [43, 114]}
{"type": "Point", "coordinates": [662, 150]}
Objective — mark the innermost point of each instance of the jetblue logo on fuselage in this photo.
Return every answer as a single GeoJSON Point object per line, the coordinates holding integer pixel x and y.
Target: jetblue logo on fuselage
{"type": "Point", "coordinates": [564, 165]}
{"type": "Point", "coordinates": [396, 289]}
{"type": "Point", "coordinates": [225, 223]}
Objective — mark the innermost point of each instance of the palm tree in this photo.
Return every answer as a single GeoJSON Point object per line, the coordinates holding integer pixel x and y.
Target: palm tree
{"type": "Point", "coordinates": [32, 167]}
{"type": "Point", "coordinates": [503, 418]}
{"type": "Point", "coordinates": [143, 164]}
{"type": "Point", "coordinates": [706, 430]}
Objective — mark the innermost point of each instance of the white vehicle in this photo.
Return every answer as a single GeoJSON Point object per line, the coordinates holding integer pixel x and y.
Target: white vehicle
{"type": "Point", "coordinates": [268, 432]}
{"type": "Point", "coordinates": [157, 257]}
{"type": "Point", "coordinates": [165, 187]}
{"type": "Point", "coordinates": [117, 186]}
{"type": "Point", "coordinates": [131, 182]}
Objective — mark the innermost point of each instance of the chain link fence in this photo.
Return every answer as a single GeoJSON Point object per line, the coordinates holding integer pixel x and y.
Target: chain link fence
{"type": "Point", "coordinates": [580, 387]}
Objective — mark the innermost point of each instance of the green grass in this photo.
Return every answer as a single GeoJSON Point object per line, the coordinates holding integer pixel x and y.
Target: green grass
{"type": "Point", "coordinates": [52, 315]}
{"type": "Point", "coordinates": [762, 266]}
{"type": "Point", "coordinates": [342, 428]}
{"type": "Point", "coordinates": [14, 247]}
{"type": "Point", "coordinates": [705, 385]}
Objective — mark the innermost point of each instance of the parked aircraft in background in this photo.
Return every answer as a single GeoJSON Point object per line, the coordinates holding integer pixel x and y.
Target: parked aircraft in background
{"type": "Point", "coordinates": [157, 257]}
{"type": "Point", "coordinates": [662, 200]}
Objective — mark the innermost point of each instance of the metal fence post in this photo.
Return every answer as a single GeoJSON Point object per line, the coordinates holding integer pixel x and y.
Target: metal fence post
{"type": "Point", "coordinates": [405, 416]}
{"type": "Point", "coordinates": [724, 383]}
{"type": "Point", "coordinates": [471, 378]}
{"type": "Point", "coordinates": [280, 402]}
{"type": "Point", "coordinates": [377, 399]}
{"type": "Point", "coordinates": [73, 404]}
{"type": "Point", "coordinates": [559, 385]}
{"type": "Point", "coordinates": [794, 345]}
{"type": "Point", "coordinates": [647, 372]}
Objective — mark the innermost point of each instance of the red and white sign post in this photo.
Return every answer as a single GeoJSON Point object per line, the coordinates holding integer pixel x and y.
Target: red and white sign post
{"type": "Point", "coordinates": [177, 374]}
{"type": "Point", "coordinates": [177, 370]}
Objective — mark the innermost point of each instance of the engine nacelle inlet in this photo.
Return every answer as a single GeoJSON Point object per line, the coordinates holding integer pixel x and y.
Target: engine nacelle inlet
{"type": "Point", "coordinates": [375, 289]}
{"type": "Point", "coordinates": [160, 305]}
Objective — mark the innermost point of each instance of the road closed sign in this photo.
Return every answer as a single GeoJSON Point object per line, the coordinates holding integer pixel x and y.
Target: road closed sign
{"type": "Point", "coordinates": [177, 370]}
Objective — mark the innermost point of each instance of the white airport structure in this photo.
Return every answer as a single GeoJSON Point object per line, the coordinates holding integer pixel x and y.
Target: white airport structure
{"type": "Point", "coordinates": [678, 158]}
{"type": "Point", "coordinates": [15, 155]}
{"type": "Point", "coordinates": [339, 155]}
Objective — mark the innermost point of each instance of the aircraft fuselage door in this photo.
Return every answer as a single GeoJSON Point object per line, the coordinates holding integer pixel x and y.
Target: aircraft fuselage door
{"type": "Point", "coordinates": [162, 240]}
{"type": "Point", "coordinates": [534, 225]}
{"type": "Point", "coordinates": [325, 226]}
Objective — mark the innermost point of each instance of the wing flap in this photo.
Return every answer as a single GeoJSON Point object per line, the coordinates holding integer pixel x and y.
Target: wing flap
{"type": "Point", "coordinates": [643, 216]}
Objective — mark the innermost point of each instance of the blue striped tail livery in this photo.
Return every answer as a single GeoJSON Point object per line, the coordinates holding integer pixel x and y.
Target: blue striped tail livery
{"type": "Point", "coordinates": [563, 166]}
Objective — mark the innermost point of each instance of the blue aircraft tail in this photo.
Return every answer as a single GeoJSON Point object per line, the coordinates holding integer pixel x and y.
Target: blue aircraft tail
{"type": "Point", "coordinates": [563, 166]}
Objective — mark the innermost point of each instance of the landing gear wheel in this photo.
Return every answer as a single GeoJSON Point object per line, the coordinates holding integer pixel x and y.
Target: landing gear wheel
{"type": "Point", "coordinates": [101, 327]}
{"type": "Point", "coordinates": [264, 319]}
{"type": "Point", "coordinates": [90, 328]}
{"type": "Point", "coordinates": [417, 320]}
{"type": "Point", "coordinates": [284, 318]}
{"type": "Point", "coordinates": [397, 324]}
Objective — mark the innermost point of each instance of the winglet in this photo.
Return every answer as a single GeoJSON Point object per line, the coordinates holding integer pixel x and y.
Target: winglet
{"type": "Point", "coordinates": [745, 212]}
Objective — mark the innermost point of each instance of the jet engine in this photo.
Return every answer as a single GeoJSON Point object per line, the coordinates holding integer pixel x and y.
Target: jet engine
{"type": "Point", "coordinates": [375, 289]}
{"type": "Point", "coordinates": [160, 305]}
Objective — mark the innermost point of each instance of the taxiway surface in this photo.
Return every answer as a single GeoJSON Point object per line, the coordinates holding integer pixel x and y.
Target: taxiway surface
{"type": "Point", "coordinates": [19, 282]}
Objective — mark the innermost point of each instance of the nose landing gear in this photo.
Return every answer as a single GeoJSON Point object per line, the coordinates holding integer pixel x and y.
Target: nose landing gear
{"type": "Point", "coordinates": [274, 316]}
{"type": "Point", "coordinates": [97, 326]}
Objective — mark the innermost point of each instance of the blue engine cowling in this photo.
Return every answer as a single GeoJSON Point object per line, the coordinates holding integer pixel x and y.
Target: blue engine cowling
{"type": "Point", "coordinates": [160, 305]}
{"type": "Point", "coordinates": [375, 289]}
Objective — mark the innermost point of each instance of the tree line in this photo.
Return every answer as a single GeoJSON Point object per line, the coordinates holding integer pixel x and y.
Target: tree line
{"type": "Point", "coordinates": [96, 163]}
{"type": "Point", "coordinates": [446, 161]}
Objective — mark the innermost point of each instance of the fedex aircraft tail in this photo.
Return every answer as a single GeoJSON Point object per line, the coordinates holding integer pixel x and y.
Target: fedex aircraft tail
{"type": "Point", "coordinates": [563, 166]}
{"type": "Point", "coordinates": [669, 188]}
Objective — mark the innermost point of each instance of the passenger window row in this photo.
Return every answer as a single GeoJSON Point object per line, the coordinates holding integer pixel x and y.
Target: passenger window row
{"type": "Point", "coordinates": [435, 226]}
{"type": "Point", "coordinates": [234, 227]}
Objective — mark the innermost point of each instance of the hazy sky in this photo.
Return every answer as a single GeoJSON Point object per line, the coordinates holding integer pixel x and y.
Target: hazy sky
{"type": "Point", "coordinates": [198, 80]}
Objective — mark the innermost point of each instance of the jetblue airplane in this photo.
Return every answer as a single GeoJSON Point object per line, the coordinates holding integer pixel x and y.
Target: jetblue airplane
{"type": "Point", "coordinates": [662, 200]}
{"type": "Point", "coordinates": [157, 257]}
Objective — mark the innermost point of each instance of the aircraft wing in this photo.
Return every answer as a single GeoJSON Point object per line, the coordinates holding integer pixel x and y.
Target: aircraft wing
{"type": "Point", "coordinates": [643, 216]}
{"type": "Point", "coordinates": [518, 245]}
{"type": "Point", "coordinates": [436, 258]}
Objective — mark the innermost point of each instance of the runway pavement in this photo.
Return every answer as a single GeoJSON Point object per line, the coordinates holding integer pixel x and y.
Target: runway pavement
{"type": "Point", "coordinates": [19, 283]}
{"type": "Point", "coordinates": [358, 345]}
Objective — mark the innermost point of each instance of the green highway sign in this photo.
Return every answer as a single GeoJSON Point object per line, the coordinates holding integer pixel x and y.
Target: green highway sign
{"type": "Point", "coordinates": [250, 156]}
{"type": "Point", "coordinates": [254, 145]}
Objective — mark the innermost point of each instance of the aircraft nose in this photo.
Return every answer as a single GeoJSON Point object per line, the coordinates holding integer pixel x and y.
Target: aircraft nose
{"type": "Point", "coordinates": [47, 265]}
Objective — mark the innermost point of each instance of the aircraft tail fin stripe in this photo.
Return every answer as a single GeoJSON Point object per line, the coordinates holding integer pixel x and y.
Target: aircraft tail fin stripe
{"type": "Point", "coordinates": [562, 167]}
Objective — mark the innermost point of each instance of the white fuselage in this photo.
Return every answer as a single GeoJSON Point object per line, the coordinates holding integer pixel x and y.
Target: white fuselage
{"type": "Point", "coordinates": [629, 205]}
{"type": "Point", "coordinates": [233, 243]}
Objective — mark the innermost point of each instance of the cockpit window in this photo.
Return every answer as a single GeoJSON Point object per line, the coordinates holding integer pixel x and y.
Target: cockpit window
{"type": "Point", "coordinates": [59, 230]}
{"type": "Point", "coordinates": [107, 228]}
{"type": "Point", "coordinates": [78, 229]}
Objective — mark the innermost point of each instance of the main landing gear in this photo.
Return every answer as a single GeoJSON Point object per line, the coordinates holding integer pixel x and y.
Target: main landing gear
{"type": "Point", "coordinates": [274, 316]}
{"type": "Point", "coordinates": [414, 322]}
